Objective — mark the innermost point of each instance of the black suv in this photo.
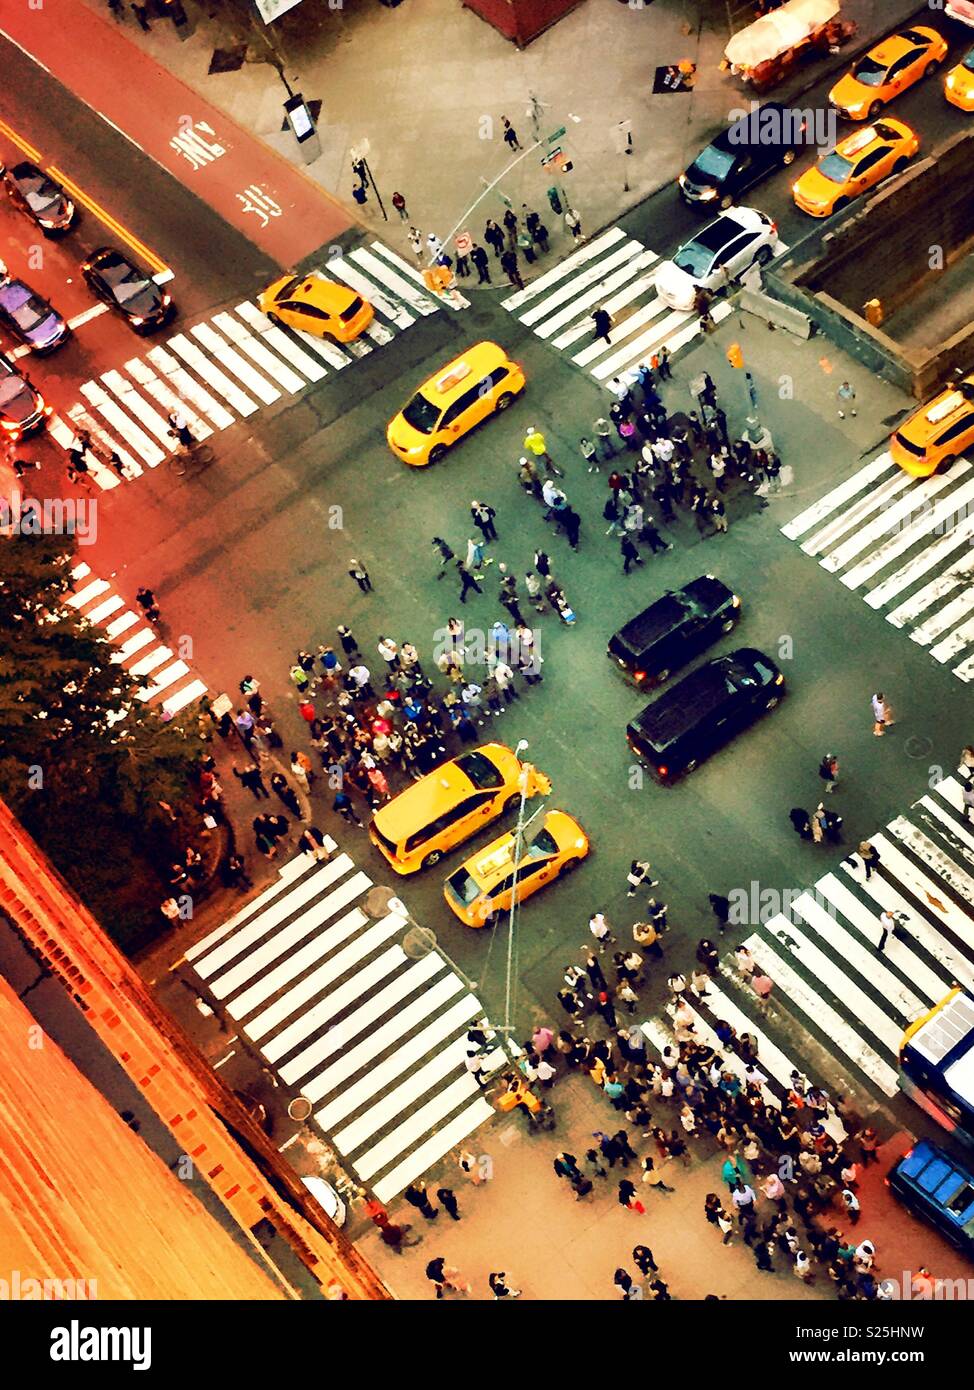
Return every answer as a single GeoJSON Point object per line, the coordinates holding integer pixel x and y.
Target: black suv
{"type": "Point", "coordinates": [743, 154]}
{"type": "Point", "coordinates": [703, 711]}
{"type": "Point", "coordinates": [675, 628]}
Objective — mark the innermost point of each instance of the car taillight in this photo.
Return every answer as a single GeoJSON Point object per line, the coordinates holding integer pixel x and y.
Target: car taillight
{"type": "Point", "coordinates": [662, 771]}
{"type": "Point", "coordinates": [639, 675]}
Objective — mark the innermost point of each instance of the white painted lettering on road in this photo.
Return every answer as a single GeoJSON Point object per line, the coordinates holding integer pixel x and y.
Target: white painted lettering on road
{"type": "Point", "coordinates": [254, 199]}
{"type": "Point", "coordinates": [192, 144]}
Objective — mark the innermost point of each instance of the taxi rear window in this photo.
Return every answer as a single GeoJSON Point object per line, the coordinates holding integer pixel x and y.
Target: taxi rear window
{"type": "Point", "coordinates": [916, 449]}
{"type": "Point", "coordinates": [352, 309]}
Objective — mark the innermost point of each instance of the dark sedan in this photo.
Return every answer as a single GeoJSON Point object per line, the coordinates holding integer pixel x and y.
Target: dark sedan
{"type": "Point", "coordinates": [671, 631]}
{"type": "Point", "coordinates": [38, 197]}
{"type": "Point", "coordinates": [127, 289]}
{"type": "Point", "coordinates": [22, 408]}
{"type": "Point", "coordinates": [29, 318]}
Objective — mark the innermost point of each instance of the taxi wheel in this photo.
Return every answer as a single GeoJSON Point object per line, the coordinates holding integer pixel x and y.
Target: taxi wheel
{"type": "Point", "coordinates": [569, 866]}
{"type": "Point", "coordinates": [729, 625]}
{"type": "Point", "coordinates": [932, 67]}
{"type": "Point", "coordinates": [946, 462]}
{"type": "Point", "coordinates": [661, 676]}
{"type": "Point", "coordinates": [436, 453]}
{"type": "Point", "coordinates": [900, 164]}
{"type": "Point", "coordinates": [432, 858]}
{"type": "Point", "coordinates": [875, 109]}
{"type": "Point", "coordinates": [504, 401]}
{"type": "Point", "coordinates": [273, 318]}
{"type": "Point", "coordinates": [839, 204]}
{"type": "Point", "coordinates": [789, 157]}
{"type": "Point", "coordinates": [727, 201]}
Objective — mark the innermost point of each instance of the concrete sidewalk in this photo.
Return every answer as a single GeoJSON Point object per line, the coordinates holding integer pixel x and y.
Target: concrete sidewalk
{"type": "Point", "coordinates": [526, 1221]}
{"type": "Point", "coordinates": [427, 84]}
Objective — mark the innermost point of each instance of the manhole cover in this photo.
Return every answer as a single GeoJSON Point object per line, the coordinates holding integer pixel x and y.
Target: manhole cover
{"type": "Point", "coordinates": [917, 747]}
{"type": "Point", "coordinates": [228, 59]}
{"type": "Point", "coordinates": [299, 1108]}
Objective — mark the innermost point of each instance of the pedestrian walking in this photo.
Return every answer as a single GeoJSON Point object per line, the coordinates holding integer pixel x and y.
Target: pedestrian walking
{"type": "Point", "coordinates": [627, 1197]}
{"type": "Point", "coordinates": [252, 780]}
{"type": "Point", "coordinates": [639, 873]}
{"type": "Point", "coordinates": [801, 822]}
{"type": "Point", "coordinates": [869, 855]}
{"type": "Point", "coordinates": [535, 443]}
{"type": "Point", "coordinates": [142, 15]}
{"type": "Point", "coordinates": [601, 931]}
{"type": "Point", "coordinates": [653, 1176]}
{"type": "Point", "coordinates": [361, 575]}
{"type": "Point", "coordinates": [510, 134]}
{"type": "Point", "coordinates": [417, 1196]}
{"type": "Point", "coordinates": [603, 436]}
{"type": "Point", "coordinates": [399, 203]}
{"type": "Point", "coordinates": [630, 555]}
{"type": "Point", "coordinates": [510, 268]}
{"type": "Point", "coordinates": [602, 322]}
{"type": "Point", "coordinates": [499, 1286]}
{"type": "Point", "coordinates": [574, 224]}
{"type": "Point", "coordinates": [415, 239]}
{"type": "Point", "coordinates": [467, 581]}
{"type": "Point", "coordinates": [594, 970]}
{"type": "Point", "coordinates": [480, 259]}
{"type": "Point", "coordinates": [483, 518]}
{"type": "Point", "coordinates": [828, 770]}
{"type": "Point", "coordinates": [343, 806]}
{"type": "Point", "coordinates": [444, 1276]}
{"type": "Point", "coordinates": [572, 523]}
{"type": "Point", "coordinates": [448, 1200]}
{"type": "Point", "coordinates": [445, 553]}
{"type": "Point", "coordinates": [846, 396]}
{"type": "Point", "coordinates": [882, 714]}
{"type": "Point", "coordinates": [630, 1291]}
{"type": "Point", "coordinates": [589, 454]}
{"type": "Point", "coordinates": [542, 564]}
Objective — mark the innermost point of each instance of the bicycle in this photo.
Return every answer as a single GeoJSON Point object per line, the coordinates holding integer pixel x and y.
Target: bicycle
{"type": "Point", "coordinates": [196, 455]}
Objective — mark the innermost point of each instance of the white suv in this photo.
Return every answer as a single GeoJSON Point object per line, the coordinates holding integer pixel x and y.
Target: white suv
{"type": "Point", "coordinates": [721, 252]}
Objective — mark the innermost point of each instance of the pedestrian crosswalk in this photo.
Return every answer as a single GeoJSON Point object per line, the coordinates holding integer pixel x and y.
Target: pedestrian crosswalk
{"type": "Point", "coordinates": [823, 955]}
{"type": "Point", "coordinates": [167, 680]}
{"type": "Point", "coordinates": [613, 271]}
{"type": "Point", "coordinates": [372, 1036]}
{"type": "Point", "coordinates": [905, 544]}
{"type": "Point", "coordinates": [233, 364]}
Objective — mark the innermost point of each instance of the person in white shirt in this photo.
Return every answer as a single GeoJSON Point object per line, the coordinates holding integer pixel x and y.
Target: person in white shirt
{"type": "Point", "coordinates": [601, 930]}
{"type": "Point", "coordinates": [664, 449]}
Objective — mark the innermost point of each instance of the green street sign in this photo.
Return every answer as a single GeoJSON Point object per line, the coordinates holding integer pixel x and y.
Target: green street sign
{"type": "Point", "coordinates": [504, 199]}
{"type": "Point", "coordinates": [556, 135]}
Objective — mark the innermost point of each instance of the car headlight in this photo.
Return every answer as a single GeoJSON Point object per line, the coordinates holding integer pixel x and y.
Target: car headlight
{"type": "Point", "coordinates": [736, 601]}
{"type": "Point", "coordinates": [137, 319]}
{"type": "Point", "coordinates": [416, 449]}
{"type": "Point", "coordinates": [779, 679]}
{"type": "Point", "coordinates": [951, 81]}
{"type": "Point", "coordinates": [708, 195]}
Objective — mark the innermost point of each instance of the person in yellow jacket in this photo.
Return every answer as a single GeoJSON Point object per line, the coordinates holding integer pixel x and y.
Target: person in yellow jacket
{"type": "Point", "coordinates": [536, 444]}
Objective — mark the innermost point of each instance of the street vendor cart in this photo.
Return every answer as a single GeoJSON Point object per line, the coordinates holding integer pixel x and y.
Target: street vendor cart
{"type": "Point", "coordinates": [768, 50]}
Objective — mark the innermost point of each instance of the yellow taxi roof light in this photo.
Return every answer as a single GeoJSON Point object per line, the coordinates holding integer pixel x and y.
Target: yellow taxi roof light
{"type": "Point", "coordinates": [453, 377]}
{"type": "Point", "coordinates": [499, 859]}
{"type": "Point", "coordinates": [946, 407]}
{"type": "Point", "coordinates": [860, 140]}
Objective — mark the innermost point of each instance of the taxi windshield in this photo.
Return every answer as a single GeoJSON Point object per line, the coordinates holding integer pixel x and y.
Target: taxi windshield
{"type": "Point", "coordinates": [836, 167]}
{"type": "Point", "coordinates": [713, 162]}
{"type": "Point", "coordinates": [694, 259]}
{"type": "Point", "coordinates": [421, 414]}
{"type": "Point", "coordinates": [869, 72]}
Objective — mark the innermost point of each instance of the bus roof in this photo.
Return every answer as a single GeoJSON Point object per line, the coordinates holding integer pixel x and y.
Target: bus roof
{"type": "Point", "coordinates": [945, 1028]}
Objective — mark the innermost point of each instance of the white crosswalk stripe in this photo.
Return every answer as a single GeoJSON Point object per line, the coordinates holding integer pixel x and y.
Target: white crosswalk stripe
{"type": "Point", "coordinates": [823, 959]}
{"type": "Point", "coordinates": [907, 546]}
{"type": "Point", "coordinates": [614, 272]}
{"type": "Point", "coordinates": [170, 684]}
{"type": "Point", "coordinates": [229, 366]}
{"type": "Point", "coordinates": [374, 1039]}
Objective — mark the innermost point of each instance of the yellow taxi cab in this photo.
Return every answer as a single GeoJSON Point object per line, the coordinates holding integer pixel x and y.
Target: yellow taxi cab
{"type": "Point", "coordinates": [929, 440]}
{"type": "Point", "coordinates": [858, 162]}
{"type": "Point", "coordinates": [886, 70]}
{"type": "Point", "coordinates": [317, 305]}
{"type": "Point", "coordinates": [959, 83]}
{"type": "Point", "coordinates": [416, 828]}
{"type": "Point", "coordinates": [484, 886]}
{"type": "Point", "coordinates": [445, 408]}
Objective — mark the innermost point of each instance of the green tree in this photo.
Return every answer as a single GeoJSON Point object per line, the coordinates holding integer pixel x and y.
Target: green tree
{"type": "Point", "coordinates": [83, 762]}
